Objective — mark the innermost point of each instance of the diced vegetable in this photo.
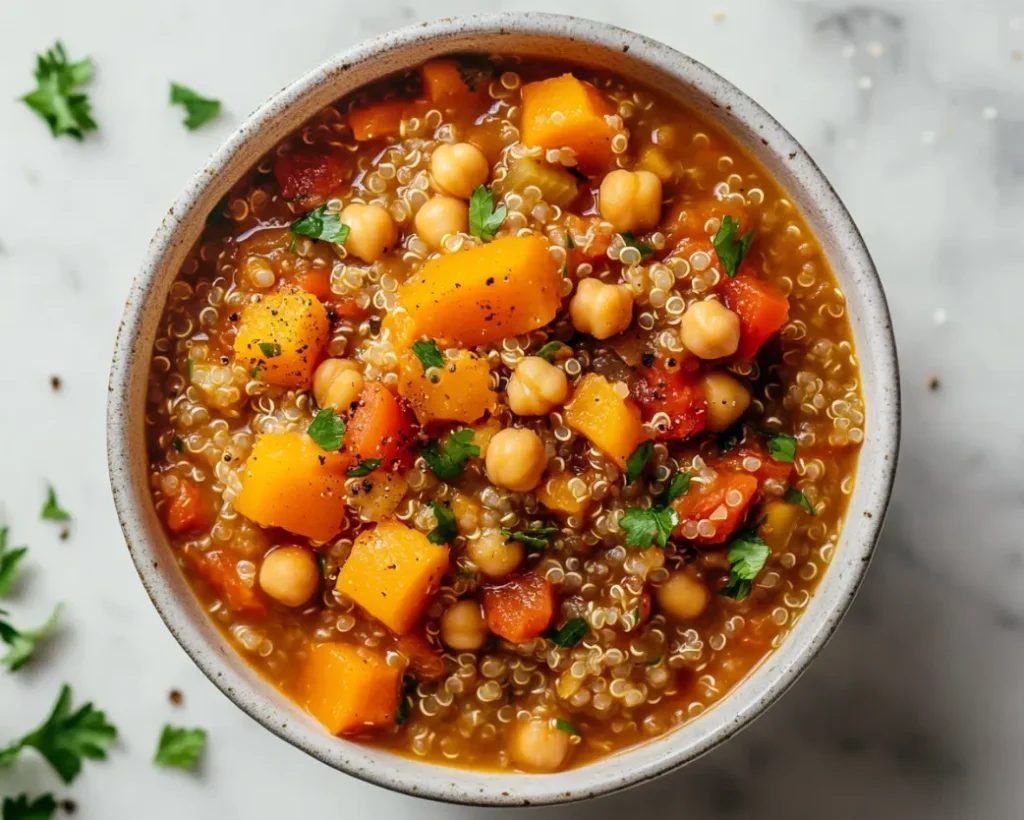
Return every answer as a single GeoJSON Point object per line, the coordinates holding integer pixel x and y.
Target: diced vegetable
{"type": "Point", "coordinates": [779, 523]}
{"type": "Point", "coordinates": [653, 159]}
{"type": "Point", "coordinates": [444, 86]}
{"type": "Point", "coordinates": [762, 308]}
{"type": "Point", "coordinates": [381, 427]}
{"type": "Point", "coordinates": [462, 391]}
{"type": "Point", "coordinates": [556, 495]}
{"type": "Point", "coordinates": [505, 288]}
{"type": "Point", "coordinates": [557, 185]}
{"type": "Point", "coordinates": [703, 502]}
{"type": "Point", "coordinates": [426, 662]}
{"type": "Point", "coordinates": [385, 493]}
{"type": "Point", "coordinates": [391, 572]}
{"type": "Point", "coordinates": [316, 281]}
{"type": "Point", "coordinates": [309, 176]}
{"type": "Point", "coordinates": [611, 422]}
{"type": "Point", "coordinates": [284, 335]}
{"type": "Point", "coordinates": [676, 392]}
{"type": "Point", "coordinates": [350, 689]}
{"type": "Point", "coordinates": [383, 119]}
{"type": "Point", "coordinates": [520, 608]}
{"type": "Point", "coordinates": [739, 460]}
{"type": "Point", "coordinates": [689, 219]}
{"type": "Point", "coordinates": [290, 482]}
{"type": "Point", "coordinates": [563, 112]}
{"type": "Point", "coordinates": [222, 574]}
{"type": "Point", "coordinates": [186, 512]}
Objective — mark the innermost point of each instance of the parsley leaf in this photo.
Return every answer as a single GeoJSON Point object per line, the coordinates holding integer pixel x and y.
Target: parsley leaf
{"type": "Point", "coordinates": [730, 437]}
{"type": "Point", "coordinates": [631, 242]}
{"type": "Point", "coordinates": [190, 366]}
{"type": "Point", "coordinates": [534, 537]}
{"type": "Point", "coordinates": [730, 249]}
{"type": "Point", "coordinates": [565, 726]}
{"type": "Point", "coordinates": [747, 556]}
{"type": "Point", "coordinates": [679, 485]}
{"type": "Point", "coordinates": [408, 688]}
{"type": "Point", "coordinates": [794, 496]}
{"type": "Point", "coordinates": [429, 354]}
{"type": "Point", "coordinates": [782, 447]}
{"type": "Point", "coordinates": [554, 350]}
{"type": "Point", "coordinates": [179, 445]}
{"type": "Point", "coordinates": [638, 460]}
{"type": "Point", "coordinates": [484, 218]}
{"type": "Point", "coordinates": [198, 110]}
{"type": "Point", "coordinates": [9, 560]}
{"type": "Point", "coordinates": [180, 748]}
{"type": "Point", "coordinates": [52, 511]}
{"type": "Point", "coordinates": [19, 808]}
{"type": "Point", "coordinates": [642, 527]}
{"type": "Point", "coordinates": [364, 467]}
{"type": "Point", "coordinates": [445, 531]}
{"type": "Point", "coordinates": [319, 224]}
{"type": "Point", "coordinates": [55, 99]}
{"type": "Point", "coordinates": [569, 634]}
{"type": "Point", "coordinates": [22, 645]}
{"type": "Point", "coordinates": [270, 350]}
{"type": "Point", "coordinates": [327, 429]}
{"type": "Point", "coordinates": [66, 738]}
{"type": "Point", "coordinates": [448, 461]}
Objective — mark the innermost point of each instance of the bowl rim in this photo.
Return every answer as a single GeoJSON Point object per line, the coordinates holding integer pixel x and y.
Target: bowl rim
{"type": "Point", "coordinates": [436, 781]}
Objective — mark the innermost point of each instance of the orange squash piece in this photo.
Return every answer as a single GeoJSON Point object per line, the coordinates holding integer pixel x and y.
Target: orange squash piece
{"type": "Point", "coordinates": [563, 112]}
{"type": "Point", "coordinates": [610, 422]}
{"type": "Point", "coordinates": [505, 288]}
{"type": "Point", "coordinates": [381, 427]}
{"type": "Point", "coordinates": [443, 84]}
{"type": "Point", "coordinates": [391, 571]}
{"type": "Point", "coordinates": [383, 119]}
{"type": "Point", "coordinates": [284, 335]}
{"type": "Point", "coordinates": [462, 392]}
{"type": "Point", "coordinates": [186, 512]}
{"type": "Point", "coordinates": [763, 310]}
{"type": "Point", "coordinates": [557, 497]}
{"type": "Point", "coordinates": [289, 482]}
{"type": "Point", "coordinates": [351, 689]}
{"type": "Point", "coordinates": [519, 608]}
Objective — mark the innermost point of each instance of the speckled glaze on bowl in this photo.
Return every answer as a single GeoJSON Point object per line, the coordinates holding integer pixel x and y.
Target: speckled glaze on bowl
{"type": "Point", "coordinates": [634, 57]}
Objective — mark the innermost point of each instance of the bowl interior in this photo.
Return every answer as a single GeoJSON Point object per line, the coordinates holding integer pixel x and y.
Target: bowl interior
{"type": "Point", "coordinates": [638, 59]}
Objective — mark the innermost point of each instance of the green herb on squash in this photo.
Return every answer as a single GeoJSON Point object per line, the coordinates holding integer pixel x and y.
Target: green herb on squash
{"type": "Point", "coordinates": [327, 429]}
{"type": "Point", "coordinates": [449, 460]}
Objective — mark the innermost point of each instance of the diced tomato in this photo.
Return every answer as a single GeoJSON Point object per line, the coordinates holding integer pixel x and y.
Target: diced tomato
{"type": "Point", "coordinates": [676, 392]}
{"type": "Point", "coordinates": [316, 281]}
{"type": "Point", "coordinates": [762, 308]}
{"type": "Point", "coordinates": [590, 240]}
{"type": "Point", "coordinates": [347, 308]}
{"type": "Point", "coordinates": [222, 575]}
{"type": "Point", "coordinates": [425, 660]}
{"type": "Point", "coordinates": [708, 502]}
{"type": "Point", "coordinates": [688, 220]}
{"type": "Point", "coordinates": [381, 427]}
{"type": "Point", "coordinates": [186, 512]}
{"type": "Point", "coordinates": [733, 462]}
{"type": "Point", "coordinates": [520, 608]}
{"type": "Point", "coordinates": [309, 174]}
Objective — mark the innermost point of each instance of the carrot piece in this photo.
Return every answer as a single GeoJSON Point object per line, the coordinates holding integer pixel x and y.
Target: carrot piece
{"type": "Point", "coordinates": [289, 482]}
{"type": "Point", "coordinates": [317, 282]}
{"type": "Point", "coordinates": [688, 219]}
{"type": "Point", "coordinates": [705, 502]}
{"type": "Point", "coordinates": [284, 335]}
{"type": "Point", "coordinates": [222, 575]}
{"type": "Point", "coordinates": [462, 391]}
{"type": "Point", "coordinates": [383, 119]}
{"type": "Point", "coordinates": [381, 427]}
{"type": "Point", "coordinates": [443, 84]}
{"type": "Point", "coordinates": [350, 689]}
{"type": "Point", "coordinates": [611, 422]}
{"type": "Point", "coordinates": [391, 572]}
{"type": "Point", "coordinates": [309, 175]}
{"type": "Point", "coordinates": [677, 393]}
{"type": "Point", "coordinates": [186, 512]}
{"type": "Point", "coordinates": [763, 310]}
{"type": "Point", "coordinates": [520, 608]}
{"type": "Point", "coordinates": [348, 308]}
{"type": "Point", "coordinates": [563, 112]}
{"type": "Point", "coordinates": [425, 660]}
{"type": "Point", "coordinates": [769, 468]}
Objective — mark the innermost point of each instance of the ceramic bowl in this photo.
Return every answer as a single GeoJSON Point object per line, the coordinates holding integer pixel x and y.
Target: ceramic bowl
{"type": "Point", "coordinates": [639, 59]}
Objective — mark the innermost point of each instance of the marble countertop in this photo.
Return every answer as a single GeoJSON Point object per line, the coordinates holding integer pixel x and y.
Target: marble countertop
{"type": "Point", "coordinates": [914, 109]}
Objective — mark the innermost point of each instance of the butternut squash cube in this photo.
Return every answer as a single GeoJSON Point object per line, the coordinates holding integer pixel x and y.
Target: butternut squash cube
{"type": "Point", "coordinates": [284, 335]}
{"type": "Point", "coordinates": [462, 392]}
{"type": "Point", "coordinates": [611, 422]}
{"type": "Point", "coordinates": [350, 689]}
{"type": "Point", "coordinates": [780, 520]}
{"type": "Point", "coordinates": [563, 112]}
{"type": "Point", "coordinates": [557, 497]}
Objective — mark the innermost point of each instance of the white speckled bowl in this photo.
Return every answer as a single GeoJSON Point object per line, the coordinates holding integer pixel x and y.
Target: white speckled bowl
{"type": "Point", "coordinates": [637, 58]}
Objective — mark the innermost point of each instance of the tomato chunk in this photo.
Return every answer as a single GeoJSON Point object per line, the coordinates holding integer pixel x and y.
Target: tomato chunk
{"type": "Point", "coordinates": [381, 427]}
{"type": "Point", "coordinates": [675, 392]}
{"type": "Point", "coordinates": [735, 460]}
{"type": "Point", "coordinates": [520, 608]}
{"type": "Point", "coordinates": [688, 220]}
{"type": "Point", "coordinates": [711, 502]}
{"type": "Point", "coordinates": [762, 308]}
{"type": "Point", "coordinates": [221, 574]}
{"type": "Point", "coordinates": [186, 512]}
{"type": "Point", "coordinates": [310, 176]}
{"type": "Point", "coordinates": [426, 662]}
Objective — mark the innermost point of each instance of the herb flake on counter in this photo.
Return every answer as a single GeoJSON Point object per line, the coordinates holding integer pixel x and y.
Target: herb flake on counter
{"type": "Point", "coordinates": [319, 224]}
{"type": "Point", "coordinates": [536, 538]}
{"type": "Point", "coordinates": [52, 511]}
{"type": "Point", "coordinates": [179, 748]}
{"type": "Point", "coordinates": [428, 353]}
{"type": "Point", "coordinates": [447, 461]}
{"type": "Point", "coordinates": [445, 531]}
{"type": "Point", "coordinates": [782, 447]}
{"type": "Point", "coordinates": [731, 250]}
{"type": "Point", "coordinates": [199, 110]}
{"type": "Point", "coordinates": [569, 634]}
{"type": "Point", "coordinates": [9, 560]}
{"type": "Point", "coordinates": [21, 808]}
{"type": "Point", "coordinates": [795, 496]}
{"type": "Point", "coordinates": [364, 467]}
{"type": "Point", "coordinates": [55, 98]}
{"type": "Point", "coordinates": [644, 527]}
{"type": "Point", "coordinates": [327, 429]}
{"type": "Point", "coordinates": [565, 726]}
{"type": "Point", "coordinates": [484, 218]}
{"type": "Point", "coordinates": [22, 645]}
{"type": "Point", "coordinates": [638, 460]}
{"type": "Point", "coordinates": [747, 556]}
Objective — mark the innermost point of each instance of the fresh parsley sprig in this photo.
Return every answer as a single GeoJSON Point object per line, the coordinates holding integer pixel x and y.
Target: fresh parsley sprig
{"type": "Point", "coordinates": [730, 249]}
{"type": "Point", "coordinates": [632, 242]}
{"type": "Point", "coordinates": [52, 510]}
{"type": "Point", "coordinates": [569, 634]}
{"type": "Point", "coordinates": [22, 644]}
{"type": "Point", "coordinates": [319, 224]}
{"type": "Point", "coordinates": [795, 496]}
{"type": "Point", "coordinates": [445, 531]}
{"type": "Point", "coordinates": [180, 748]}
{"type": "Point", "coordinates": [9, 561]}
{"type": "Point", "coordinates": [199, 110]}
{"type": "Point", "coordinates": [327, 429]}
{"type": "Point", "coordinates": [536, 538]}
{"type": "Point", "coordinates": [21, 808]}
{"type": "Point", "coordinates": [447, 461]}
{"type": "Point", "coordinates": [782, 447]}
{"type": "Point", "coordinates": [565, 726]}
{"type": "Point", "coordinates": [428, 353]}
{"type": "Point", "coordinates": [747, 556]}
{"type": "Point", "coordinates": [484, 218]}
{"type": "Point", "coordinates": [638, 460]}
{"type": "Point", "coordinates": [679, 485]}
{"type": "Point", "coordinates": [57, 98]}
{"type": "Point", "coordinates": [364, 467]}
{"type": "Point", "coordinates": [552, 351]}
{"type": "Point", "coordinates": [646, 526]}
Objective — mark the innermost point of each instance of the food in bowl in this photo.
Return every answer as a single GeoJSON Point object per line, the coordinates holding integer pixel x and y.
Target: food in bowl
{"type": "Point", "coordinates": [505, 415]}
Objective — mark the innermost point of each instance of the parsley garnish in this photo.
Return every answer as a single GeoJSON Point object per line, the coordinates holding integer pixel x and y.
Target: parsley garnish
{"type": "Point", "coordinates": [747, 555]}
{"type": "Point", "coordinates": [794, 496]}
{"type": "Point", "coordinates": [52, 511]}
{"type": "Point", "coordinates": [782, 447]}
{"type": "Point", "coordinates": [408, 687]}
{"type": "Point", "coordinates": [327, 429]}
{"type": "Point", "coordinates": [535, 538]}
{"type": "Point", "coordinates": [636, 615]}
{"type": "Point", "coordinates": [631, 242]}
{"type": "Point", "coordinates": [198, 110]}
{"type": "Point", "coordinates": [9, 560]}
{"type": "Point", "coordinates": [566, 726]}
{"type": "Point", "coordinates": [554, 350]}
{"type": "Point", "coordinates": [180, 748]}
{"type": "Point", "coordinates": [484, 218]}
{"type": "Point", "coordinates": [568, 241]}
{"type": "Point", "coordinates": [679, 485]}
{"type": "Point", "coordinates": [19, 808]}
{"type": "Point", "coordinates": [445, 531]}
{"type": "Point", "coordinates": [730, 249]}
{"type": "Point", "coordinates": [448, 461]}
{"type": "Point", "coordinates": [66, 738]}
{"type": "Point", "coordinates": [638, 460]}
{"type": "Point", "coordinates": [22, 645]}
{"type": "Point", "coordinates": [429, 354]}
{"type": "Point", "coordinates": [255, 372]}
{"type": "Point", "coordinates": [190, 367]}
{"type": "Point", "coordinates": [642, 527]}
{"type": "Point", "coordinates": [55, 99]}
{"type": "Point", "coordinates": [270, 350]}
{"type": "Point", "coordinates": [319, 224]}
{"type": "Point", "coordinates": [179, 445]}
{"type": "Point", "coordinates": [364, 467]}
{"type": "Point", "coordinates": [730, 437]}
{"type": "Point", "coordinates": [569, 634]}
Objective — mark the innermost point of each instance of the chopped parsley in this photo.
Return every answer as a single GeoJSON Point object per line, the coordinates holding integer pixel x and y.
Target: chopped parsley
{"type": "Point", "coordinates": [794, 496]}
{"type": "Point", "coordinates": [568, 241]}
{"type": "Point", "coordinates": [270, 350]}
{"type": "Point", "coordinates": [632, 242]}
{"type": "Point", "coordinates": [730, 437]}
{"type": "Point", "coordinates": [730, 249]}
{"type": "Point", "coordinates": [408, 688]}
{"type": "Point", "coordinates": [536, 538]}
{"type": "Point", "coordinates": [190, 367]}
{"type": "Point", "coordinates": [644, 527]}
{"type": "Point", "coordinates": [255, 372]}
{"type": "Point", "coordinates": [569, 634]}
{"type": "Point", "coordinates": [52, 511]}
{"type": "Point", "coordinates": [565, 726]}
{"type": "Point", "coordinates": [638, 460]}
{"type": "Point", "coordinates": [428, 353]}
{"type": "Point", "coordinates": [484, 218]}
{"type": "Point", "coordinates": [22, 645]}
{"type": "Point", "coordinates": [9, 560]}
{"type": "Point", "coordinates": [445, 531]}
{"type": "Point", "coordinates": [327, 429]}
{"type": "Point", "coordinates": [364, 467]}
{"type": "Point", "coordinates": [21, 808]}
{"type": "Point", "coordinates": [56, 98]}
{"type": "Point", "coordinates": [447, 461]}
{"type": "Point", "coordinates": [782, 447]}
{"type": "Point", "coordinates": [552, 351]}
{"type": "Point", "coordinates": [180, 748]}
{"type": "Point", "coordinates": [679, 485]}
{"type": "Point", "coordinates": [178, 444]}
{"type": "Point", "coordinates": [199, 110]}
{"type": "Point", "coordinates": [319, 224]}
{"type": "Point", "coordinates": [747, 556]}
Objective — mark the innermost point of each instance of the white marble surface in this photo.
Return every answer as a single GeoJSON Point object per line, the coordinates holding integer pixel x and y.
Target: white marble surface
{"type": "Point", "coordinates": [914, 109]}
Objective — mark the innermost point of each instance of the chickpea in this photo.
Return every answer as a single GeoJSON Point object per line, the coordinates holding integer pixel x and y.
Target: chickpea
{"type": "Point", "coordinates": [536, 388]}
{"type": "Point", "coordinates": [290, 575]}
{"type": "Point", "coordinates": [463, 627]}
{"type": "Point", "coordinates": [516, 459]}
{"type": "Point", "coordinates": [337, 383]}
{"type": "Point", "coordinates": [682, 596]}
{"type": "Point", "coordinates": [493, 556]}
{"type": "Point", "coordinates": [600, 309]}
{"type": "Point", "coordinates": [631, 200]}
{"type": "Point", "coordinates": [372, 231]}
{"type": "Point", "coordinates": [710, 330]}
{"type": "Point", "coordinates": [457, 169]}
{"type": "Point", "coordinates": [439, 217]}
{"type": "Point", "coordinates": [539, 745]}
{"type": "Point", "coordinates": [727, 397]}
